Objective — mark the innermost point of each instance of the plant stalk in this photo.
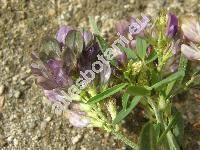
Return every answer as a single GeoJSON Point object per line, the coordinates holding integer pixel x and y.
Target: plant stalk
{"type": "Point", "coordinates": [121, 137]}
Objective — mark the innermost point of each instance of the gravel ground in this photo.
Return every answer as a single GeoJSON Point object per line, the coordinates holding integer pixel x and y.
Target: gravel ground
{"type": "Point", "coordinates": [26, 121]}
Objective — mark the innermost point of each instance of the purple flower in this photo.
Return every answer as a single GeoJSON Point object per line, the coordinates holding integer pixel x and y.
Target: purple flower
{"type": "Point", "coordinates": [87, 37]}
{"type": "Point", "coordinates": [62, 33]}
{"type": "Point", "coordinates": [191, 28]}
{"type": "Point", "coordinates": [172, 25]}
{"type": "Point", "coordinates": [54, 95]}
{"type": "Point", "coordinates": [77, 117]}
{"type": "Point", "coordinates": [122, 27]}
{"type": "Point", "coordinates": [88, 56]}
{"type": "Point", "coordinates": [191, 52]}
{"type": "Point", "coordinates": [50, 75]}
{"type": "Point", "coordinates": [121, 59]}
{"type": "Point", "coordinates": [55, 67]}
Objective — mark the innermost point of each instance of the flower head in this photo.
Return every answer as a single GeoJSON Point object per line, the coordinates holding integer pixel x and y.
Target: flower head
{"type": "Point", "coordinates": [191, 52]}
{"type": "Point", "coordinates": [191, 28]}
{"type": "Point", "coordinates": [62, 33]}
{"type": "Point", "coordinates": [172, 25]}
{"type": "Point", "coordinates": [77, 117]}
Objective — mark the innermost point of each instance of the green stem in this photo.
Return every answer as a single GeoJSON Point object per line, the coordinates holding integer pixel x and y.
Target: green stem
{"type": "Point", "coordinates": [156, 111]}
{"type": "Point", "coordinates": [124, 139]}
{"type": "Point", "coordinates": [170, 137]}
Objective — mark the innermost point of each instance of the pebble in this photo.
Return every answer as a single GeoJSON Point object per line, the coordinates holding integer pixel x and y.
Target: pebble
{"type": "Point", "coordinates": [43, 125]}
{"type": "Point", "coordinates": [7, 69]}
{"type": "Point", "coordinates": [15, 78]}
{"type": "Point", "coordinates": [48, 119]}
{"type": "Point", "coordinates": [2, 88]}
{"type": "Point", "coordinates": [22, 82]}
{"type": "Point", "coordinates": [51, 12]}
{"type": "Point", "coordinates": [76, 139]}
{"type": "Point", "coordinates": [15, 141]}
{"type": "Point", "coordinates": [17, 94]}
{"type": "Point", "coordinates": [1, 101]}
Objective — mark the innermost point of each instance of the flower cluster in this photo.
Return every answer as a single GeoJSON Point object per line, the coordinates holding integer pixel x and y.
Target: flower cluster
{"type": "Point", "coordinates": [149, 68]}
{"type": "Point", "coordinates": [58, 64]}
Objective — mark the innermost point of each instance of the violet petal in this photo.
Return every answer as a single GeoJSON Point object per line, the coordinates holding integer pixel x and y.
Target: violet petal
{"type": "Point", "coordinates": [53, 95]}
{"type": "Point", "coordinates": [78, 120]}
{"type": "Point", "coordinates": [191, 28]}
{"type": "Point", "coordinates": [122, 27]}
{"type": "Point", "coordinates": [87, 36]}
{"type": "Point", "coordinates": [62, 33]}
{"type": "Point", "coordinates": [190, 52]}
{"type": "Point", "coordinates": [121, 59]}
{"type": "Point", "coordinates": [172, 25]}
{"type": "Point", "coordinates": [57, 71]}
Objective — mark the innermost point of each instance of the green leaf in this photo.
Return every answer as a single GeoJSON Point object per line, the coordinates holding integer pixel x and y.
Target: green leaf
{"type": "Point", "coordinates": [157, 128]}
{"type": "Point", "coordinates": [153, 56]}
{"type": "Point", "coordinates": [130, 53]}
{"type": "Point", "coordinates": [172, 141]}
{"type": "Point", "coordinates": [94, 25]}
{"type": "Point", "coordinates": [138, 90]}
{"type": "Point", "coordinates": [102, 43]}
{"type": "Point", "coordinates": [122, 114]}
{"type": "Point", "coordinates": [182, 65]}
{"type": "Point", "coordinates": [178, 130]}
{"type": "Point", "coordinates": [141, 46]}
{"type": "Point", "coordinates": [147, 140]}
{"type": "Point", "coordinates": [109, 92]}
{"type": "Point", "coordinates": [169, 87]}
{"type": "Point", "coordinates": [103, 46]}
{"type": "Point", "coordinates": [169, 127]}
{"type": "Point", "coordinates": [169, 79]}
{"type": "Point", "coordinates": [154, 77]}
{"type": "Point", "coordinates": [125, 98]}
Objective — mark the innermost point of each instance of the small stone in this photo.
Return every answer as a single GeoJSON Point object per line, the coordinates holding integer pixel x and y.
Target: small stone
{"type": "Point", "coordinates": [10, 138]}
{"type": "Point", "coordinates": [17, 94]}
{"type": "Point", "coordinates": [15, 141]}
{"type": "Point", "coordinates": [51, 12]}
{"type": "Point", "coordinates": [22, 82]}
{"type": "Point", "coordinates": [1, 102]}
{"type": "Point", "coordinates": [43, 125]}
{"type": "Point", "coordinates": [28, 70]}
{"type": "Point", "coordinates": [15, 78]}
{"type": "Point", "coordinates": [76, 139]}
{"type": "Point", "coordinates": [48, 119]}
{"type": "Point", "coordinates": [2, 88]}
{"type": "Point", "coordinates": [83, 147]}
{"type": "Point", "coordinates": [126, 6]}
{"type": "Point", "coordinates": [2, 141]}
{"type": "Point", "coordinates": [7, 69]}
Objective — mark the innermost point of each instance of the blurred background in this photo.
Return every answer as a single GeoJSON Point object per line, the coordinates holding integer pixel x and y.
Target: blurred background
{"type": "Point", "coordinates": [26, 121]}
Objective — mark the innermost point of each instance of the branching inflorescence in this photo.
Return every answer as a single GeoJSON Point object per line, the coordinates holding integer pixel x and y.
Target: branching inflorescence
{"type": "Point", "coordinates": [97, 85]}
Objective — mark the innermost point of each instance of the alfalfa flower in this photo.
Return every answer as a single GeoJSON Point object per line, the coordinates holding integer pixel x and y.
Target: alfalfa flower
{"type": "Point", "coordinates": [191, 28]}
{"type": "Point", "coordinates": [172, 25]}
{"type": "Point", "coordinates": [77, 117]}
{"type": "Point", "coordinates": [62, 33]}
{"type": "Point", "coordinates": [192, 52]}
{"type": "Point", "coordinates": [132, 28]}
